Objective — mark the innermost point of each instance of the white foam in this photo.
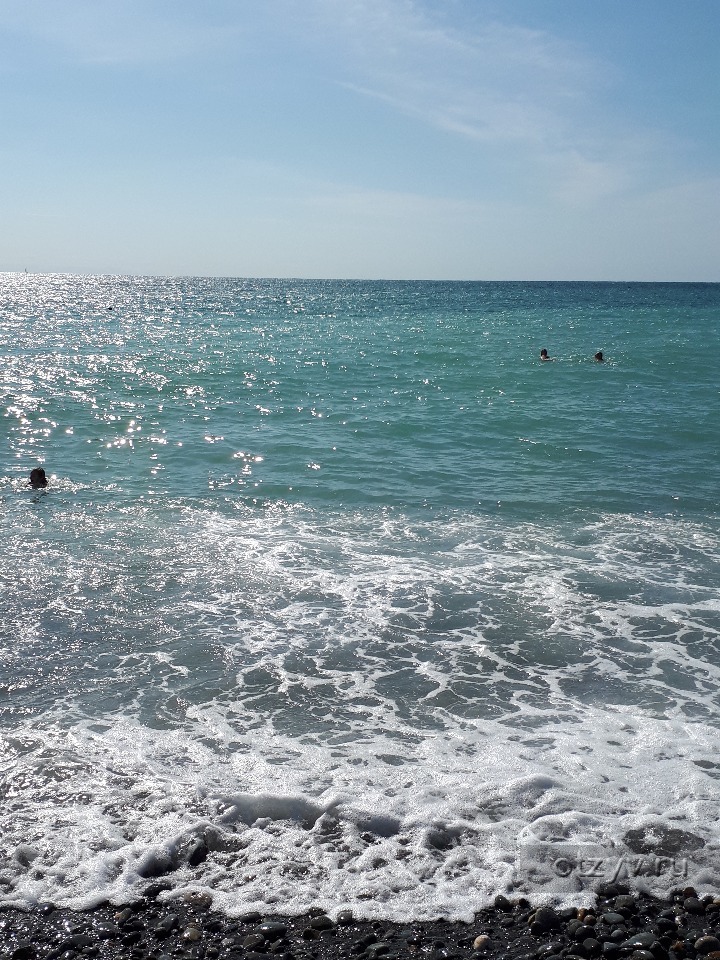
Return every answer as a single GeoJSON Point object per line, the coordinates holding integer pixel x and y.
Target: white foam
{"type": "Point", "coordinates": [362, 711]}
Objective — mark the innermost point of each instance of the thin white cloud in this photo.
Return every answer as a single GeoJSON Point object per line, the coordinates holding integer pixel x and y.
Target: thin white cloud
{"type": "Point", "coordinates": [500, 85]}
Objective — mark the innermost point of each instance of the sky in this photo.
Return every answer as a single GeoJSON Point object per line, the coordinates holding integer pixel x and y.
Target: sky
{"type": "Point", "coordinates": [383, 139]}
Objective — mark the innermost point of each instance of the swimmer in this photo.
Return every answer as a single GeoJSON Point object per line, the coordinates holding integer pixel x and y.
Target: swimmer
{"type": "Point", "coordinates": [37, 478]}
{"type": "Point", "coordinates": [599, 357]}
{"type": "Point", "coordinates": [544, 355]}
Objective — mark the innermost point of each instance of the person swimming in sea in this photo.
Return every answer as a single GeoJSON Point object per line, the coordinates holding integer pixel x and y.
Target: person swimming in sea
{"type": "Point", "coordinates": [599, 357]}
{"type": "Point", "coordinates": [544, 355]}
{"type": "Point", "coordinates": [37, 478]}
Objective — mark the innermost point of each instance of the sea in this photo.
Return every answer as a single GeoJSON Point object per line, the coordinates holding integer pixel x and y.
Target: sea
{"type": "Point", "coordinates": [339, 597]}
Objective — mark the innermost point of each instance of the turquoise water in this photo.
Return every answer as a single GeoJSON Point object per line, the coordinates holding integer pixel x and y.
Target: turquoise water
{"type": "Point", "coordinates": [357, 394]}
{"type": "Point", "coordinates": [316, 549]}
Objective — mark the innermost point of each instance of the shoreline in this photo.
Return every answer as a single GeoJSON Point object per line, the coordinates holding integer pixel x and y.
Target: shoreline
{"type": "Point", "coordinates": [620, 925]}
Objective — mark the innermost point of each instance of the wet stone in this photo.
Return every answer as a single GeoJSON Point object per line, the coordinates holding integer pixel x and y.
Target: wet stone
{"type": "Point", "coordinates": [272, 930]}
{"type": "Point", "coordinates": [482, 943]}
{"type": "Point", "coordinates": [24, 951]}
{"type": "Point", "coordinates": [613, 919]}
{"type": "Point", "coordinates": [545, 918]}
{"type": "Point", "coordinates": [197, 853]}
{"type": "Point", "coordinates": [625, 903]}
{"type": "Point", "coordinates": [641, 955]}
{"type": "Point", "coordinates": [253, 941]}
{"type": "Point", "coordinates": [707, 944]}
{"type": "Point", "coordinates": [75, 943]}
{"type": "Point", "coordinates": [166, 926]}
{"type": "Point", "coordinates": [693, 905]}
{"type": "Point", "coordinates": [345, 918]}
{"type": "Point", "coordinates": [321, 923]}
{"type": "Point", "coordinates": [377, 950]}
{"type": "Point", "coordinates": [549, 949]}
{"type": "Point", "coordinates": [639, 941]}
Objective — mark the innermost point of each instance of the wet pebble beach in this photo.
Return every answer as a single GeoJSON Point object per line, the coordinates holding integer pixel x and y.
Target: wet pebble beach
{"type": "Point", "coordinates": [620, 926]}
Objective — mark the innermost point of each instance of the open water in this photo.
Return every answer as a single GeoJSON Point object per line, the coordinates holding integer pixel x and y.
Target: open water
{"type": "Point", "coordinates": [338, 596]}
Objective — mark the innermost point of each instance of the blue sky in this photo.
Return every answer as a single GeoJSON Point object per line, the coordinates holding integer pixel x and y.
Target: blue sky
{"type": "Point", "coordinates": [447, 139]}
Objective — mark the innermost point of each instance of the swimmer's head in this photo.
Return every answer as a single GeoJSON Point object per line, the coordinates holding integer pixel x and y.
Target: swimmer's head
{"type": "Point", "coordinates": [599, 357]}
{"type": "Point", "coordinates": [38, 478]}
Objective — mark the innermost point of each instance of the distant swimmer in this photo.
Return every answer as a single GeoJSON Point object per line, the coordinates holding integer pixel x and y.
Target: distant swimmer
{"type": "Point", "coordinates": [38, 478]}
{"type": "Point", "coordinates": [599, 357]}
{"type": "Point", "coordinates": [544, 355]}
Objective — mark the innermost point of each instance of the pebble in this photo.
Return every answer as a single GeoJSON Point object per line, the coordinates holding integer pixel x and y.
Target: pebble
{"type": "Point", "coordinates": [482, 943]}
{"type": "Point", "coordinates": [272, 929]}
{"type": "Point", "coordinates": [624, 902]}
{"type": "Point", "coordinates": [547, 917]}
{"type": "Point", "coordinates": [613, 919]}
{"type": "Point", "coordinates": [639, 940]}
{"type": "Point", "coordinates": [166, 926]}
{"type": "Point", "coordinates": [253, 940]}
{"type": "Point", "coordinates": [707, 944]}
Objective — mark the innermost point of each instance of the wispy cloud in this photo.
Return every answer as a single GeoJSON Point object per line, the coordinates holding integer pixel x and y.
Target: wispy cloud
{"type": "Point", "coordinates": [495, 83]}
{"type": "Point", "coordinates": [498, 84]}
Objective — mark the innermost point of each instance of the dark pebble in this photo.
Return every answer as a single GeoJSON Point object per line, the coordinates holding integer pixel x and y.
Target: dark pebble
{"type": "Point", "coordinates": [253, 941]}
{"type": "Point", "coordinates": [75, 943]}
{"type": "Point", "coordinates": [624, 903]}
{"type": "Point", "coordinates": [197, 853]}
{"type": "Point", "coordinates": [707, 944]}
{"type": "Point", "coordinates": [166, 926]}
{"type": "Point", "coordinates": [639, 941]}
{"type": "Point", "coordinates": [24, 951]}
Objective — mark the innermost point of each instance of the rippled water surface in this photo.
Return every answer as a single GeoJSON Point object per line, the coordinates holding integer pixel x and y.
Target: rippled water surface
{"type": "Point", "coordinates": [339, 581]}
